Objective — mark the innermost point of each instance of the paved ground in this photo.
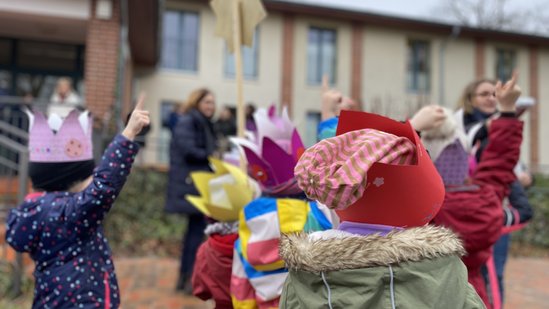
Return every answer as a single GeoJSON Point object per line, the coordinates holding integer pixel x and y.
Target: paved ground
{"type": "Point", "coordinates": [148, 283]}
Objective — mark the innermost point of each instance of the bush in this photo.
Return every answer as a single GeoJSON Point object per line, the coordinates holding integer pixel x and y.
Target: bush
{"type": "Point", "coordinates": [536, 233]}
{"type": "Point", "coordinates": [137, 224]}
{"type": "Point", "coordinates": [6, 287]}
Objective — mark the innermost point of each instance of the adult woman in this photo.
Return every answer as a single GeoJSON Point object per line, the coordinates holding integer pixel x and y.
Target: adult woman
{"type": "Point", "coordinates": [192, 142]}
{"type": "Point", "coordinates": [478, 101]}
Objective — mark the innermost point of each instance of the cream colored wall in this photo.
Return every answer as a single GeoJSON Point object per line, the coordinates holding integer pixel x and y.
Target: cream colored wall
{"type": "Point", "coordinates": [383, 69]}
{"type": "Point", "coordinates": [459, 68]}
{"type": "Point", "coordinates": [307, 97]}
{"type": "Point", "coordinates": [383, 72]}
{"type": "Point", "coordinates": [543, 108]}
{"type": "Point", "coordinates": [524, 82]}
{"type": "Point", "coordinates": [174, 85]}
{"type": "Point", "coordinates": [78, 9]}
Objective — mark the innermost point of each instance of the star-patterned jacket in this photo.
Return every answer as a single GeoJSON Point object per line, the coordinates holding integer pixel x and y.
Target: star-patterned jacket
{"type": "Point", "coordinates": [63, 234]}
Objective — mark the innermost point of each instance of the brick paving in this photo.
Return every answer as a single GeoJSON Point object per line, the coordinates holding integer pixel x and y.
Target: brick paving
{"type": "Point", "coordinates": [148, 283]}
{"type": "Point", "coordinates": [527, 283]}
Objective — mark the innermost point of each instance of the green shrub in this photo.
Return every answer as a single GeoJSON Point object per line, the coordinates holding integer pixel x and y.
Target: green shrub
{"type": "Point", "coordinates": [7, 299]}
{"type": "Point", "coordinates": [536, 233]}
{"type": "Point", "coordinates": [137, 223]}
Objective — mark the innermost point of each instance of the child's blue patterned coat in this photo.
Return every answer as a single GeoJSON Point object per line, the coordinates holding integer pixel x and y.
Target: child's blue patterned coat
{"type": "Point", "coordinates": [62, 231]}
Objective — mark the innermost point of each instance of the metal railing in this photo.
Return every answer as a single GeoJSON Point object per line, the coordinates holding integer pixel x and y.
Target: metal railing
{"type": "Point", "coordinates": [14, 159]}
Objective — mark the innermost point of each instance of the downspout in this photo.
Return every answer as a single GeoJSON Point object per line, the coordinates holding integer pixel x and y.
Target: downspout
{"type": "Point", "coordinates": [456, 30]}
{"type": "Point", "coordinates": [122, 58]}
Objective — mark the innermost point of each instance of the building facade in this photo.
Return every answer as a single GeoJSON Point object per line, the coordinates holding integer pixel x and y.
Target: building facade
{"type": "Point", "coordinates": [391, 65]}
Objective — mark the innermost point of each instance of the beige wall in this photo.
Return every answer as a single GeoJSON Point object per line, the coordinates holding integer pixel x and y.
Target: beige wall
{"type": "Point", "coordinates": [523, 64]}
{"type": "Point", "coordinates": [173, 85]}
{"type": "Point", "coordinates": [459, 68]}
{"type": "Point", "coordinates": [307, 97]}
{"type": "Point", "coordinates": [78, 9]}
{"type": "Point", "coordinates": [383, 72]}
{"type": "Point", "coordinates": [383, 69]}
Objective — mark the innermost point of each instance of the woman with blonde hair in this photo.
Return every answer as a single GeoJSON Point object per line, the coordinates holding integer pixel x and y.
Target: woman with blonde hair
{"type": "Point", "coordinates": [478, 101]}
{"type": "Point", "coordinates": [193, 141]}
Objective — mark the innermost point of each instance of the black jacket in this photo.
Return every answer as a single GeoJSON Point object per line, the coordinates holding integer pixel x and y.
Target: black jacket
{"type": "Point", "coordinates": [193, 140]}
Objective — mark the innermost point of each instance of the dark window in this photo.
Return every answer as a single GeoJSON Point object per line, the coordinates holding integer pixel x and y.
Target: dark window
{"type": "Point", "coordinates": [321, 55]}
{"type": "Point", "coordinates": [180, 40]}
{"type": "Point", "coordinates": [419, 67]}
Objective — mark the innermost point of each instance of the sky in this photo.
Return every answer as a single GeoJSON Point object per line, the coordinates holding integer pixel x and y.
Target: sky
{"type": "Point", "coordinates": [420, 9]}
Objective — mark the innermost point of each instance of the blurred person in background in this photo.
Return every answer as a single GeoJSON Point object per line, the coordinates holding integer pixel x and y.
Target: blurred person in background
{"type": "Point", "coordinates": [193, 141]}
{"type": "Point", "coordinates": [225, 126]}
{"type": "Point", "coordinates": [64, 98]}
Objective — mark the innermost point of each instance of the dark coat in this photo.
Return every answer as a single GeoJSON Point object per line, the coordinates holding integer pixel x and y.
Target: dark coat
{"type": "Point", "coordinates": [63, 234]}
{"type": "Point", "coordinates": [193, 140]}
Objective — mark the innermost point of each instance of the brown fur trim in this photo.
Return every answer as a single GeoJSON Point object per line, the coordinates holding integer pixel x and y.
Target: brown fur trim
{"type": "Point", "coordinates": [348, 251]}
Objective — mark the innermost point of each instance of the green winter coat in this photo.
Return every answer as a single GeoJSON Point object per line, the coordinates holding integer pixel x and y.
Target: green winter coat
{"type": "Point", "coordinates": [413, 268]}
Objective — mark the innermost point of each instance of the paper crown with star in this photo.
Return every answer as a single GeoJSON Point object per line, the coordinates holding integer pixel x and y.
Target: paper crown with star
{"type": "Point", "coordinates": [274, 152]}
{"type": "Point", "coordinates": [224, 192]}
{"type": "Point", "coordinates": [56, 140]}
{"type": "Point", "coordinates": [375, 170]}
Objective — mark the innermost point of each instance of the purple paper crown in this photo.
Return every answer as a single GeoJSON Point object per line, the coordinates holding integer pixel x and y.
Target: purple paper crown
{"type": "Point", "coordinates": [56, 140]}
{"type": "Point", "coordinates": [453, 164]}
{"type": "Point", "coordinates": [274, 153]}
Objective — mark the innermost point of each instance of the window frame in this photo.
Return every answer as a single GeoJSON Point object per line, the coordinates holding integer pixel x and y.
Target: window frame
{"type": "Point", "coordinates": [255, 52]}
{"type": "Point", "coordinates": [412, 78]}
{"type": "Point", "coordinates": [180, 67]}
{"type": "Point", "coordinates": [317, 80]}
{"type": "Point", "coordinates": [514, 57]}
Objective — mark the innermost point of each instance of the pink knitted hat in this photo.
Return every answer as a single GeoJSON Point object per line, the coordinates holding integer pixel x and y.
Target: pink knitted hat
{"type": "Point", "coordinates": [334, 171]}
{"type": "Point", "coordinates": [374, 171]}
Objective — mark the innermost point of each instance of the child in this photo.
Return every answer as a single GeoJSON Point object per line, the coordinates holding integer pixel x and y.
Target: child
{"type": "Point", "coordinates": [223, 194]}
{"type": "Point", "coordinates": [258, 271]}
{"type": "Point", "coordinates": [60, 224]}
{"type": "Point", "coordinates": [473, 205]}
{"type": "Point", "coordinates": [385, 189]}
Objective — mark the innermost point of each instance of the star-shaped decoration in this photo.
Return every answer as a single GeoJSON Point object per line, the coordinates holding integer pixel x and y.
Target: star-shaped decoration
{"type": "Point", "coordinates": [379, 181]}
{"type": "Point", "coordinates": [251, 14]}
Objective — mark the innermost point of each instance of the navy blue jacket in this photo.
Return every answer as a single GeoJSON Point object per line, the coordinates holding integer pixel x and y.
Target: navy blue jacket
{"type": "Point", "coordinates": [63, 234]}
{"type": "Point", "coordinates": [193, 141]}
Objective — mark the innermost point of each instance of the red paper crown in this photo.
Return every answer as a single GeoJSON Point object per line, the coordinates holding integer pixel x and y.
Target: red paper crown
{"type": "Point", "coordinates": [410, 195]}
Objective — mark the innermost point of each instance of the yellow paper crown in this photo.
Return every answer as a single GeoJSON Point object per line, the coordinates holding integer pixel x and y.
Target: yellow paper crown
{"type": "Point", "coordinates": [224, 192]}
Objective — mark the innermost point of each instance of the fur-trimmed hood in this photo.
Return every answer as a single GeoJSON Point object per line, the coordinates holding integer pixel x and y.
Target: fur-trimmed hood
{"type": "Point", "coordinates": [337, 250]}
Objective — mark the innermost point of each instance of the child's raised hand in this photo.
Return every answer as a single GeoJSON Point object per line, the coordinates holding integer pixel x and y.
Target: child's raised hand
{"type": "Point", "coordinates": [427, 118]}
{"type": "Point", "coordinates": [138, 119]}
{"type": "Point", "coordinates": [508, 94]}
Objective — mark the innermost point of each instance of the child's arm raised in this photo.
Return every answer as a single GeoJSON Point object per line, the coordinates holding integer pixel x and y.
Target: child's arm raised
{"type": "Point", "coordinates": [90, 206]}
{"type": "Point", "coordinates": [504, 139]}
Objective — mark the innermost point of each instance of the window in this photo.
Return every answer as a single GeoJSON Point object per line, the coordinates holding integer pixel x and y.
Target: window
{"type": "Point", "coordinates": [5, 52]}
{"type": "Point", "coordinates": [419, 67]}
{"type": "Point", "coordinates": [321, 55]}
{"type": "Point", "coordinates": [505, 63]}
{"type": "Point", "coordinates": [249, 59]}
{"type": "Point", "coordinates": [312, 120]}
{"type": "Point", "coordinates": [165, 134]}
{"type": "Point", "coordinates": [47, 56]}
{"type": "Point", "coordinates": [180, 40]}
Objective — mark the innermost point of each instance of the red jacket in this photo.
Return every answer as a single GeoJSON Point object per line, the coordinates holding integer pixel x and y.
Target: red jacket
{"type": "Point", "coordinates": [212, 270]}
{"type": "Point", "coordinates": [476, 213]}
